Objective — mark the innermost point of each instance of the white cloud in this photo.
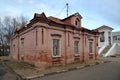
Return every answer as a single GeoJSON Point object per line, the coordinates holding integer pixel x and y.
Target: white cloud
{"type": "Point", "coordinates": [49, 10]}
{"type": "Point", "coordinates": [95, 12]}
{"type": "Point", "coordinates": [20, 1]}
{"type": "Point", "coordinates": [11, 11]}
{"type": "Point", "coordinates": [93, 21]}
{"type": "Point", "coordinates": [31, 1]}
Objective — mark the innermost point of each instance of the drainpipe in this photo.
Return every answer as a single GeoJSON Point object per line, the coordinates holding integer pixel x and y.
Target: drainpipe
{"type": "Point", "coordinates": [18, 48]}
{"type": "Point", "coordinates": [83, 44]}
{"type": "Point", "coordinates": [65, 47]}
{"type": "Point", "coordinates": [11, 48]}
{"type": "Point", "coordinates": [95, 45]}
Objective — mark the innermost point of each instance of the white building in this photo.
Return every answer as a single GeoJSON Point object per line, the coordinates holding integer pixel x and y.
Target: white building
{"type": "Point", "coordinates": [108, 41]}
{"type": "Point", "coordinates": [105, 39]}
{"type": "Point", "coordinates": [116, 37]}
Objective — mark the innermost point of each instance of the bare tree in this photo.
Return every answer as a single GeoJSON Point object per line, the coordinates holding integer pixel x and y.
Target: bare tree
{"type": "Point", "coordinates": [8, 26]}
{"type": "Point", "coordinates": [7, 22]}
{"type": "Point", "coordinates": [1, 32]}
{"type": "Point", "coordinates": [11, 24]}
{"type": "Point", "coordinates": [23, 21]}
{"type": "Point", "coordinates": [1, 38]}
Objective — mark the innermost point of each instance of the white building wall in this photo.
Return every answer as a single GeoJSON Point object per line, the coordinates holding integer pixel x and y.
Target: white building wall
{"type": "Point", "coordinates": [106, 35]}
{"type": "Point", "coordinates": [115, 49]}
{"type": "Point", "coordinates": [103, 45]}
{"type": "Point", "coordinates": [111, 51]}
{"type": "Point", "coordinates": [111, 38]}
{"type": "Point", "coordinates": [117, 34]}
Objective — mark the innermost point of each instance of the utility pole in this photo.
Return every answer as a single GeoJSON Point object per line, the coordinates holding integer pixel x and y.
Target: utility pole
{"type": "Point", "coordinates": [67, 8]}
{"type": "Point", "coordinates": [0, 49]}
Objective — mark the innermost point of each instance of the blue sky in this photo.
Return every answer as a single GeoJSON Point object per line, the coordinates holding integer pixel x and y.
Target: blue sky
{"type": "Point", "coordinates": [94, 12]}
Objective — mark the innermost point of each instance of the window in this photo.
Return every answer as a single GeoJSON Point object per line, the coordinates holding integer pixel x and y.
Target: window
{"type": "Point", "coordinates": [14, 49]}
{"type": "Point", "coordinates": [36, 36]}
{"type": "Point", "coordinates": [22, 46]}
{"type": "Point", "coordinates": [56, 48]}
{"type": "Point", "coordinates": [42, 36]}
{"type": "Point", "coordinates": [118, 38]}
{"type": "Point", "coordinates": [77, 22]}
{"type": "Point", "coordinates": [76, 48]}
{"type": "Point", "coordinates": [114, 37]}
{"type": "Point", "coordinates": [90, 47]}
{"type": "Point", "coordinates": [102, 38]}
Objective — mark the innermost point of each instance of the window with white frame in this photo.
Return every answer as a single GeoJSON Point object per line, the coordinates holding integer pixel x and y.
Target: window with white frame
{"type": "Point", "coordinates": [76, 48]}
{"type": "Point", "coordinates": [90, 47]}
{"type": "Point", "coordinates": [102, 38]}
{"type": "Point", "coordinates": [22, 46]}
{"type": "Point", "coordinates": [56, 48]}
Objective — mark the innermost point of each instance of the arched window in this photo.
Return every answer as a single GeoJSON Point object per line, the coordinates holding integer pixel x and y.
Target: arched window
{"type": "Point", "coordinates": [77, 22]}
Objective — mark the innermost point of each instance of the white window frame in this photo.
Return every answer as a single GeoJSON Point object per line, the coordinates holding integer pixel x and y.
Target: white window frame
{"type": "Point", "coordinates": [78, 49]}
{"type": "Point", "coordinates": [59, 48]}
{"type": "Point", "coordinates": [22, 47]}
{"type": "Point", "coordinates": [91, 48]}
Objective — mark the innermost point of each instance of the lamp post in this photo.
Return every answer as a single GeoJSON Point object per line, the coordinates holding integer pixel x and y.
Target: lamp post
{"type": "Point", "coordinates": [0, 49]}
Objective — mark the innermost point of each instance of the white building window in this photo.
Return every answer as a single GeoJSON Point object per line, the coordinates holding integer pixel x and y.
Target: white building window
{"type": "Point", "coordinates": [76, 48]}
{"type": "Point", "coordinates": [91, 47]}
{"type": "Point", "coordinates": [119, 39]}
{"type": "Point", "coordinates": [56, 48]}
{"type": "Point", "coordinates": [102, 38]}
{"type": "Point", "coordinates": [114, 37]}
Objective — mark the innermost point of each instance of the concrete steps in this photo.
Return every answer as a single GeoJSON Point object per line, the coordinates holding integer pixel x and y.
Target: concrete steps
{"type": "Point", "coordinates": [105, 51]}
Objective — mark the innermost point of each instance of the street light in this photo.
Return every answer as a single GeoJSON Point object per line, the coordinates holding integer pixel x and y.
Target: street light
{"type": "Point", "coordinates": [0, 49]}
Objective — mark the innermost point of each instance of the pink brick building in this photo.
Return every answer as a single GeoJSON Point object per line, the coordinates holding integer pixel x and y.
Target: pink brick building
{"type": "Point", "coordinates": [47, 41]}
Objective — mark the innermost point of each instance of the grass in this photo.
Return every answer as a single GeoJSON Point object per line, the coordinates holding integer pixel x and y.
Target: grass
{"type": "Point", "coordinates": [3, 58]}
{"type": "Point", "coordinates": [16, 64]}
{"type": "Point", "coordinates": [20, 65]}
{"type": "Point", "coordinates": [117, 54]}
{"type": "Point", "coordinates": [97, 63]}
{"type": "Point", "coordinates": [21, 68]}
{"type": "Point", "coordinates": [26, 69]}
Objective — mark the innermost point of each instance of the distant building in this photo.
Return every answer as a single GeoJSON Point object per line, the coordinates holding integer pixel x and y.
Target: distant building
{"type": "Point", "coordinates": [47, 41]}
{"type": "Point", "coordinates": [105, 33]}
{"type": "Point", "coordinates": [116, 37]}
{"type": "Point", "coordinates": [108, 41]}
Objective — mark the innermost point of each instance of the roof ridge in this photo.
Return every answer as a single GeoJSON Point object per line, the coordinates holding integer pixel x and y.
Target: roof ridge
{"type": "Point", "coordinates": [105, 26]}
{"type": "Point", "coordinates": [54, 17]}
{"type": "Point", "coordinates": [72, 15]}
